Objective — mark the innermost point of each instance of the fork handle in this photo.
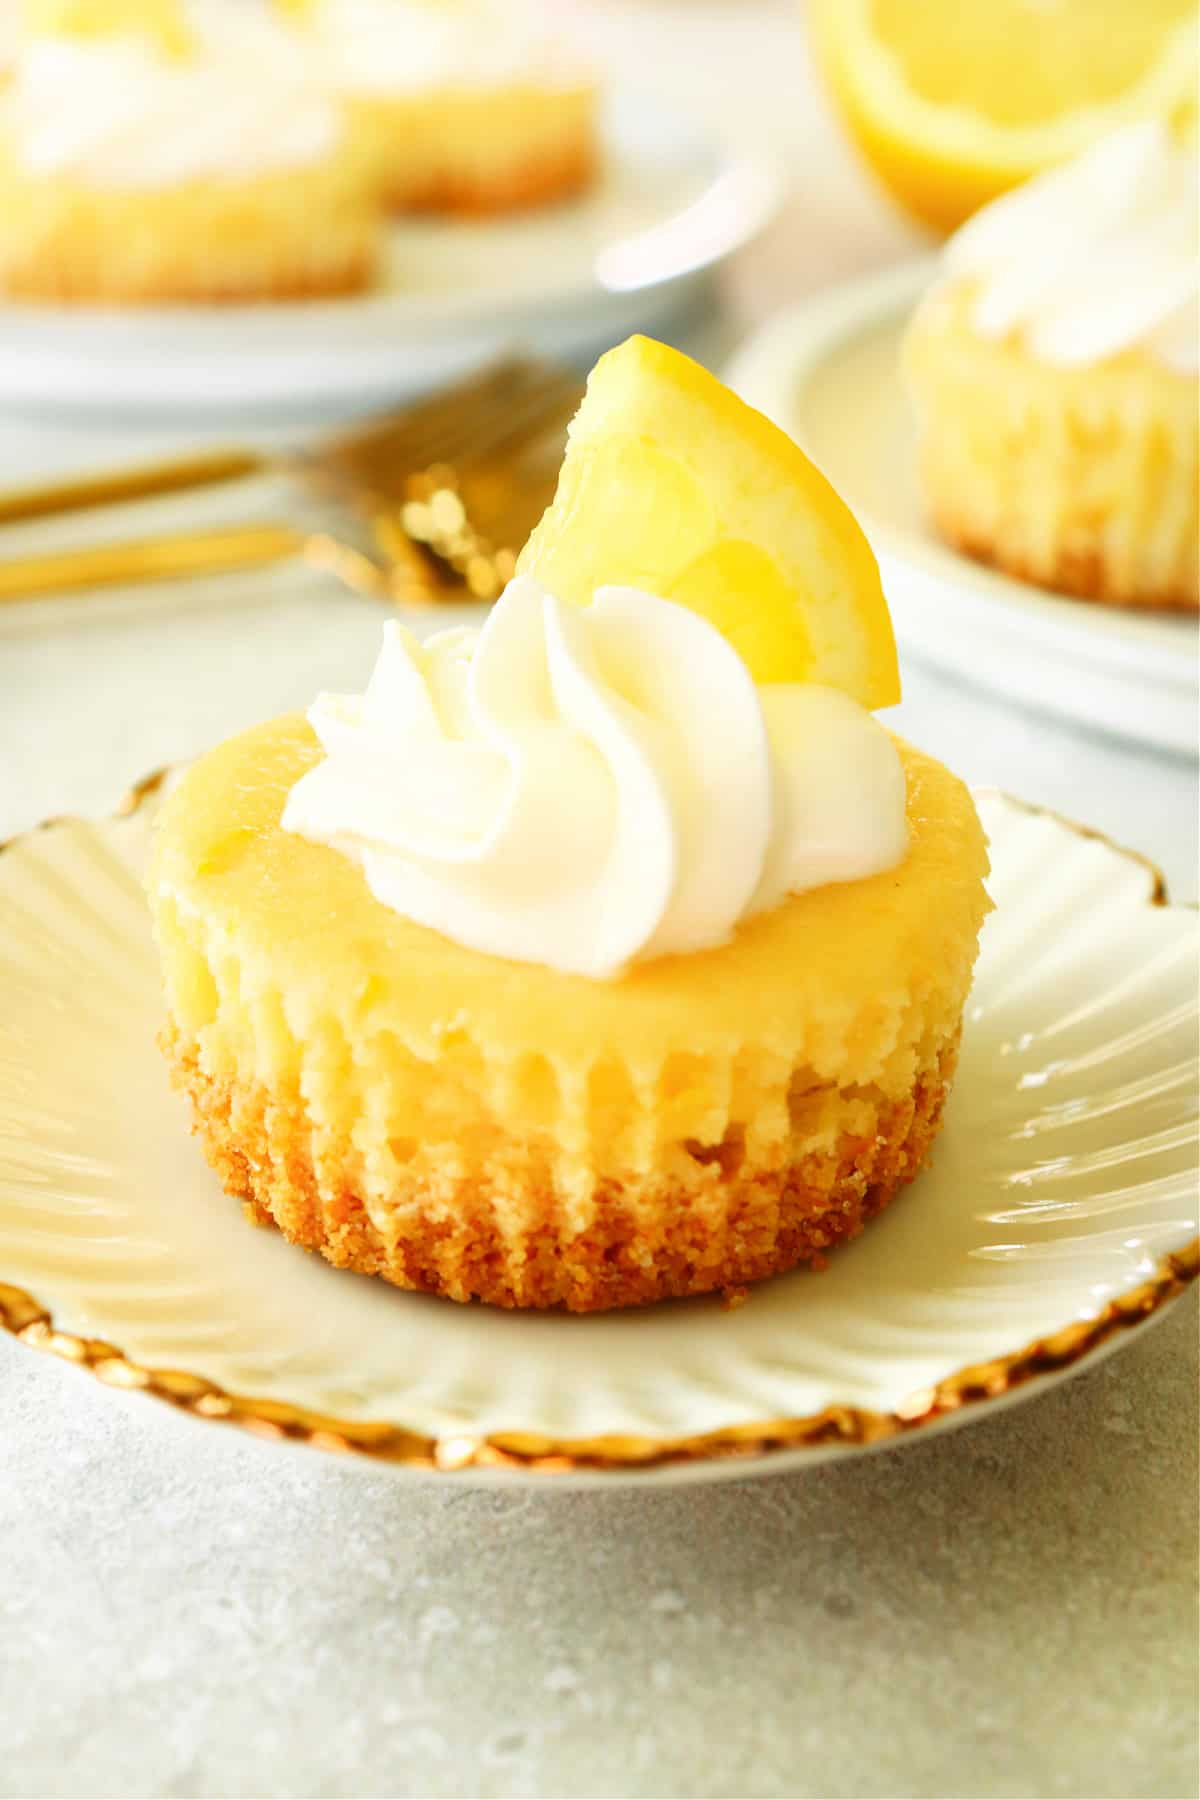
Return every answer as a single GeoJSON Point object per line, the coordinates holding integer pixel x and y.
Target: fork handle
{"type": "Point", "coordinates": [148, 559]}
{"type": "Point", "coordinates": [137, 483]}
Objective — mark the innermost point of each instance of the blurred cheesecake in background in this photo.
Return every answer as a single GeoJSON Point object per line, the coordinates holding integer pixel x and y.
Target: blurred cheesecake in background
{"type": "Point", "coordinates": [463, 106]}
{"type": "Point", "coordinates": [144, 157]}
{"type": "Point", "coordinates": [1054, 371]}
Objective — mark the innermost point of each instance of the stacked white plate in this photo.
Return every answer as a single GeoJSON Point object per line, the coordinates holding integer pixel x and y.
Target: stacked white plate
{"type": "Point", "coordinates": [673, 201]}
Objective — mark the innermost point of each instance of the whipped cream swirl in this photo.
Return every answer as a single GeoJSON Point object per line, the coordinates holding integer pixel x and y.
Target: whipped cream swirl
{"type": "Point", "coordinates": [590, 787]}
{"type": "Point", "coordinates": [406, 46]}
{"type": "Point", "coordinates": [118, 112]}
{"type": "Point", "coordinates": [1096, 257]}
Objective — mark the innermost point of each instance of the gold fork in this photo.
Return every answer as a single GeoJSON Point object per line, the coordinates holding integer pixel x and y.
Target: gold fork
{"type": "Point", "coordinates": [431, 503]}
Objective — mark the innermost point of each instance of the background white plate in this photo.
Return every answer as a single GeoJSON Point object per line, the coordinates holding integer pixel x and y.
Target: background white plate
{"type": "Point", "coordinates": [1066, 1170]}
{"type": "Point", "coordinates": [828, 373]}
{"type": "Point", "coordinates": [671, 203]}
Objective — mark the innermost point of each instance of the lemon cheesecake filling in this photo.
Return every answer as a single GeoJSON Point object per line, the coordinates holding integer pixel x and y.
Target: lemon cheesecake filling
{"type": "Point", "coordinates": [589, 787]}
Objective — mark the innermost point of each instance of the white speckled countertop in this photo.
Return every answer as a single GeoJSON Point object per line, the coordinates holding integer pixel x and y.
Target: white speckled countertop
{"type": "Point", "coordinates": [1004, 1610]}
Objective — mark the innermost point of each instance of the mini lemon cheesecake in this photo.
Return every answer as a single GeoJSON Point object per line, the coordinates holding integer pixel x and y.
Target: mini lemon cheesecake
{"type": "Point", "coordinates": [613, 951]}
{"type": "Point", "coordinates": [143, 159]}
{"type": "Point", "coordinates": [1053, 370]}
{"type": "Point", "coordinates": [462, 106]}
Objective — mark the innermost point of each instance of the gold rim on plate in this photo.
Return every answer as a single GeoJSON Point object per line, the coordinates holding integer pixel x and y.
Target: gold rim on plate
{"type": "Point", "coordinates": [32, 1323]}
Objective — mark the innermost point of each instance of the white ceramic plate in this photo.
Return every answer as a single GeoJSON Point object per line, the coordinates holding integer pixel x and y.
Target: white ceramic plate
{"type": "Point", "coordinates": [672, 202]}
{"type": "Point", "coordinates": [828, 373]}
{"type": "Point", "coordinates": [1065, 1175]}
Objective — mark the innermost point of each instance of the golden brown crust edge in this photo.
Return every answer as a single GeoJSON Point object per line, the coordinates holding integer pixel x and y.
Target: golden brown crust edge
{"type": "Point", "coordinates": [751, 1226]}
{"type": "Point", "coordinates": [306, 233]}
{"type": "Point", "coordinates": [1084, 575]}
{"type": "Point", "coordinates": [1079, 481]}
{"type": "Point", "coordinates": [48, 277]}
{"type": "Point", "coordinates": [541, 180]}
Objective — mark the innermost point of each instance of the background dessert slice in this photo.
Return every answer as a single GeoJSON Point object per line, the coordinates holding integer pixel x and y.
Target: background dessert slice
{"type": "Point", "coordinates": [462, 106]}
{"type": "Point", "coordinates": [1053, 368]}
{"type": "Point", "coordinates": [143, 159]}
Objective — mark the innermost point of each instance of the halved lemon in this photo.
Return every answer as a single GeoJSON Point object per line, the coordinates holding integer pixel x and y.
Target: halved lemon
{"type": "Point", "coordinates": [672, 484]}
{"type": "Point", "coordinates": [954, 101]}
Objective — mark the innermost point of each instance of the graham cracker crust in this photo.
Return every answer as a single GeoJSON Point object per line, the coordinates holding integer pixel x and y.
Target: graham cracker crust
{"type": "Point", "coordinates": [650, 1241]}
{"type": "Point", "coordinates": [540, 181]}
{"type": "Point", "coordinates": [46, 275]}
{"type": "Point", "coordinates": [1083, 574]}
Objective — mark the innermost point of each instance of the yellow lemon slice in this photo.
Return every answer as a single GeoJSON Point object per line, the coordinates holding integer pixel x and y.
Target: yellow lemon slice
{"type": "Point", "coordinates": [672, 484]}
{"type": "Point", "coordinates": [954, 101]}
{"type": "Point", "coordinates": [161, 20]}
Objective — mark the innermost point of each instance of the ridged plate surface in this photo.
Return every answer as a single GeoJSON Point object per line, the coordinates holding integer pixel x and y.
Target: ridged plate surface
{"type": "Point", "coordinates": [1066, 1173]}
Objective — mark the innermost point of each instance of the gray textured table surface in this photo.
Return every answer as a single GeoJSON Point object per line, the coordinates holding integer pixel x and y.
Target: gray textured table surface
{"type": "Point", "coordinates": [1006, 1610]}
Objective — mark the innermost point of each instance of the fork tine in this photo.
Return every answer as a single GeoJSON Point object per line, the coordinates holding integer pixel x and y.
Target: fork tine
{"type": "Point", "coordinates": [468, 436]}
{"type": "Point", "coordinates": [546, 406]}
{"type": "Point", "coordinates": [352, 455]}
{"type": "Point", "coordinates": [423, 433]}
{"type": "Point", "coordinates": [503, 521]}
{"type": "Point", "coordinates": [422, 414]}
{"type": "Point", "coordinates": [452, 486]}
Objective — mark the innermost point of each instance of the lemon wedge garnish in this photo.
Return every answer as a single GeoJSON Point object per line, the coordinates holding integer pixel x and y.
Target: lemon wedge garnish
{"type": "Point", "coordinates": [672, 484]}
